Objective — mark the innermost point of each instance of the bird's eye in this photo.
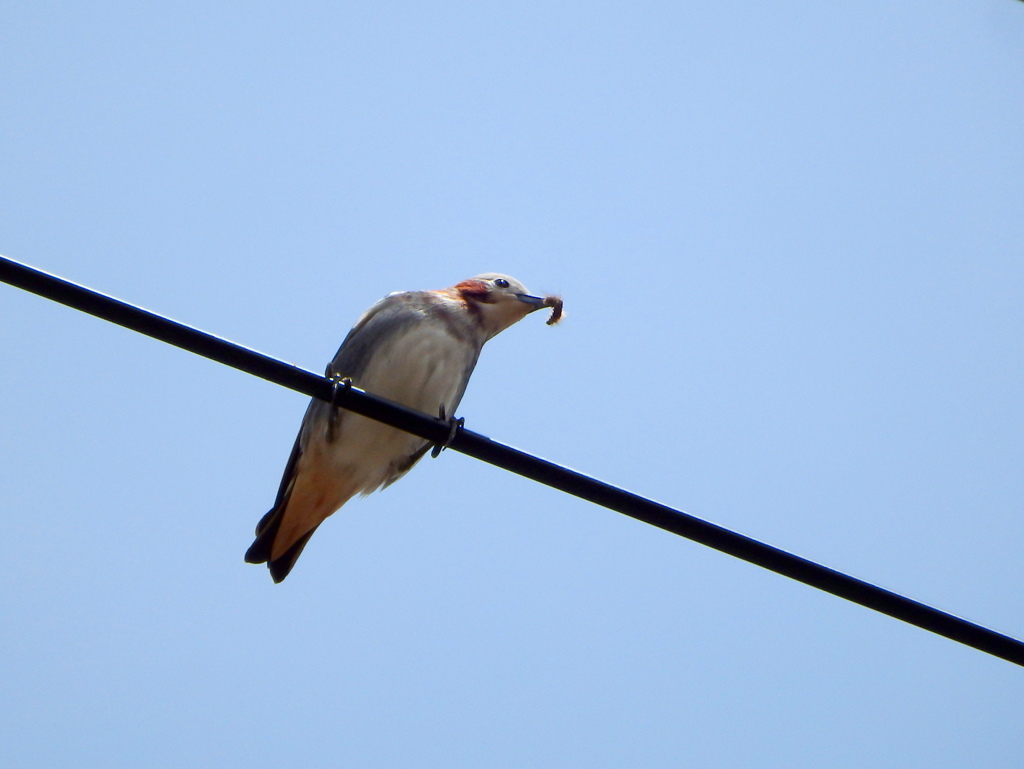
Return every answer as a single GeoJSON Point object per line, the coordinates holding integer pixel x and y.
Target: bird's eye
{"type": "Point", "coordinates": [501, 283]}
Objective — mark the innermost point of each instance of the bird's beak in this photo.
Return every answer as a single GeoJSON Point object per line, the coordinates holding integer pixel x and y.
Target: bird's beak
{"type": "Point", "coordinates": [535, 302]}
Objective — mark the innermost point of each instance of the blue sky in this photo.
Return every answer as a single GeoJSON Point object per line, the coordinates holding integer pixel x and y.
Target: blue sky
{"type": "Point", "coordinates": [790, 242]}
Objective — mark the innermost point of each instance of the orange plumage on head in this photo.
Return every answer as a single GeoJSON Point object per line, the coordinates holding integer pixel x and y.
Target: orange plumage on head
{"type": "Point", "coordinates": [472, 289]}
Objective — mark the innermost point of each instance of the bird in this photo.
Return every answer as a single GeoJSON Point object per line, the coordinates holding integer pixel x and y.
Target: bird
{"type": "Point", "coordinates": [417, 348]}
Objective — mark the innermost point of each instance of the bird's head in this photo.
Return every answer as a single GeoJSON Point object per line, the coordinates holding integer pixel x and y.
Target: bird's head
{"type": "Point", "coordinates": [498, 301]}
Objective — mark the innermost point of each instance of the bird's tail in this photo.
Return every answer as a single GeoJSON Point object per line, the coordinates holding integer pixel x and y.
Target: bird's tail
{"type": "Point", "coordinates": [266, 532]}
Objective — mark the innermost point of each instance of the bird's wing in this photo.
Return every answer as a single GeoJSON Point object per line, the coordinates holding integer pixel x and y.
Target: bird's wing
{"type": "Point", "coordinates": [388, 318]}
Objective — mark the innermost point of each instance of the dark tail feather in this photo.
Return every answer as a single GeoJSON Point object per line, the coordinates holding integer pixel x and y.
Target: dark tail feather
{"type": "Point", "coordinates": [266, 532]}
{"type": "Point", "coordinates": [280, 567]}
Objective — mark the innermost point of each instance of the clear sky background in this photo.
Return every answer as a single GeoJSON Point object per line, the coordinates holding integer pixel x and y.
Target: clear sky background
{"type": "Point", "coordinates": [790, 238]}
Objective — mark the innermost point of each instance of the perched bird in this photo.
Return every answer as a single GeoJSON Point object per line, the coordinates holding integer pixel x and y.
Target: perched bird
{"type": "Point", "coordinates": [417, 348]}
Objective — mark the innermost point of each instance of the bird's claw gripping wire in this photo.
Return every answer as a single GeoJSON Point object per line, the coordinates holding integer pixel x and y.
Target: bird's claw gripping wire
{"type": "Point", "coordinates": [339, 383]}
{"type": "Point", "coordinates": [454, 426]}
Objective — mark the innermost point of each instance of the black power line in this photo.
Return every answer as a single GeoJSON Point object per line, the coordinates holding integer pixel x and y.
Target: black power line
{"type": "Point", "coordinates": [481, 447]}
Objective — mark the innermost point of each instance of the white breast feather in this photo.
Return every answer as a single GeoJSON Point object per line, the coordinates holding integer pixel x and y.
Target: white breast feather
{"type": "Point", "coordinates": [422, 369]}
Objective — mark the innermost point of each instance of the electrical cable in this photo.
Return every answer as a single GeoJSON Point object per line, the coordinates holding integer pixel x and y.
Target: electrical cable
{"type": "Point", "coordinates": [439, 432]}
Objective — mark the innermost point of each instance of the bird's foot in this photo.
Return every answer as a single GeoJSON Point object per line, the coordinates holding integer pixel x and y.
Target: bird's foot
{"type": "Point", "coordinates": [340, 383]}
{"type": "Point", "coordinates": [454, 426]}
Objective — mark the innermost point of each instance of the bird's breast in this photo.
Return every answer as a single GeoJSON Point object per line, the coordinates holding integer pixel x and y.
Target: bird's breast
{"type": "Point", "coordinates": [422, 368]}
